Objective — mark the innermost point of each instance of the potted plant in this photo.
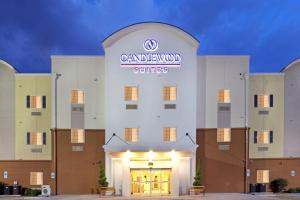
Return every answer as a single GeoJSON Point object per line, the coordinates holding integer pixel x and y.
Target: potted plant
{"type": "Point", "coordinates": [102, 183]}
{"type": "Point", "coordinates": [197, 187]}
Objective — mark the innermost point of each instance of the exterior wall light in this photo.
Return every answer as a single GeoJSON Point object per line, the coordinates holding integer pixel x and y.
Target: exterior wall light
{"type": "Point", "coordinates": [151, 155]}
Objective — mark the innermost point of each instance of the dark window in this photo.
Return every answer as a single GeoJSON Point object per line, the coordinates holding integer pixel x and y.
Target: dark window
{"type": "Point", "coordinates": [271, 136]}
{"type": "Point", "coordinates": [255, 100]}
{"type": "Point", "coordinates": [44, 101]}
{"type": "Point", "coordinates": [28, 101]}
{"type": "Point", "coordinates": [255, 137]}
{"type": "Point", "coordinates": [44, 138]}
{"type": "Point", "coordinates": [271, 100]}
{"type": "Point", "coordinates": [28, 137]}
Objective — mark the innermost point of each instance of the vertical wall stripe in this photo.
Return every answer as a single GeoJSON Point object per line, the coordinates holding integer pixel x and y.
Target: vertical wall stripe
{"type": "Point", "coordinates": [271, 137]}
{"type": "Point", "coordinates": [255, 137]}
{"type": "Point", "coordinates": [44, 138]}
{"type": "Point", "coordinates": [28, 137]}
{"type": "Point", "coordinates": [27, 101]}
{"type": "Point", "coordinates": [44, 101]}
{"type": "Point", "coordinates": [271, 100]}
{"type": "Point", "coordinates": [255, 100]}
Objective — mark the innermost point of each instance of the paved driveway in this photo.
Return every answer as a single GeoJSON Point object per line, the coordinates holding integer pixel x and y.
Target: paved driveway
{"type": "Point", "coordinates": [209, 196]}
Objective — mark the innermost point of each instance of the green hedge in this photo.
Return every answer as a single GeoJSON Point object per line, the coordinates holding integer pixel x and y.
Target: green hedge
{"type": "Point", "coordinates": [32, 192]}
{"type": "Point", "coordinates": [293, 190]}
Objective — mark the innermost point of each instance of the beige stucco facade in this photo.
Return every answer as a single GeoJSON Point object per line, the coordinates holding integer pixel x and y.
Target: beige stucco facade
{"type": "Point", "coordinates": [7, 111]}
{"type": "Point", "coordinates": [273, 117]}
{"type": "Point", "coordinates": [26, 121]}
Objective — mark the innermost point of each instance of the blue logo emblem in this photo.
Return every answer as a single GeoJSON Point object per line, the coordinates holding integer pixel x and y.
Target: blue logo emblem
{"type": "Point", "coordinates": [150, 45]}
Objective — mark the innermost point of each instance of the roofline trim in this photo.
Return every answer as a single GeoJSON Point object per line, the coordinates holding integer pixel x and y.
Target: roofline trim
{"type": "Point", "coordinates": [8, 65]}
{"type": "Point", "coordinates": [297, 60]}
{"type": "Point", "coordinates": [109, 40]}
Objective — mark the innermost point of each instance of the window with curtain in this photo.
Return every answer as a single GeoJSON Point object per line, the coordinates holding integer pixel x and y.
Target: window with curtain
{"type": "Point", "coordinates": [224, 96]}
{"type": "Point", "coordinates": [37, 102]}
{"type": "Point", "coordinates": [169, 134]}
{"type": "Point", "coordinates": [262, 176]}
{"type": "Point", "coordinates": [77, 136]}
{"type": "Point", "coordinates": [223, 135]}
{"type": "Point", "coordinates": [131, 93]}
{"type": "Point", "coordinates": [263, 137]}
{"type": "Point", "coordinates": [77, 97]}
{"type": "Point", "coordinates": [131, 134]}
{"type": "Point", "coordinates": [36, 178]}
{"type": "Point", "coordinates": [263, 101]}
{"type": "Point", "coordinates": [170, 93]}
{"type": "Point", "coordinates": [36, 138]}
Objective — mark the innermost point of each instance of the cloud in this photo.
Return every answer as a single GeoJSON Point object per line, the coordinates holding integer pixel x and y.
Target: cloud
{"type": "Point", "coordinates": [32, 31]}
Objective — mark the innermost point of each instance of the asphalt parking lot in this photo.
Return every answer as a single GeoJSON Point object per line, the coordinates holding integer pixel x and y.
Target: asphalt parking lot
{"type": "Point", "coordinates": [209, 196]}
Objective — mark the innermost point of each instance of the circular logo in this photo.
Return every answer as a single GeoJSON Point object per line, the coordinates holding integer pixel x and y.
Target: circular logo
{"type": "Point", "coordinates": [150, 45]}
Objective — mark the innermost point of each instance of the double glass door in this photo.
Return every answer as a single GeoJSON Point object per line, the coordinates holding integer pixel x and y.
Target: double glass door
{"type": "Point", "coordinates": [150, 181]}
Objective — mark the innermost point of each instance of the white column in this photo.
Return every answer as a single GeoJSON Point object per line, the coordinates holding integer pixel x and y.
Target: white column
{"type": "Point", "coordinates": [193, 167]}
{"type": "Point", "coordinates": [108, 168]}
{"type": "Point", "coordinates": [175, 180]}
{"type": "Point", "coordinates": [126, 178]}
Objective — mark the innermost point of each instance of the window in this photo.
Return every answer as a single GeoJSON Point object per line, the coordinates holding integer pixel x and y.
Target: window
{"type": "Point", "coordinates": [131, 93]}
{"type": "Point", "coordinates": [36, 138]}
{"type": "Point", "coordinates": [77, 136]}
{"type": "Point", "coordinates": [36, 178]}
{"type": "Point", "coordinates": [36, 102]}
{"type": "Point", "coordinates": [223, 135]}
{"type": "Point", "coordinates": [131, 134]}
{"type": "Point", "coordinates": [262, 176]}
{"type": "Point", "coordinates": [263, 101]}
{"type": "Point", "coordinates": [169, 134]}
{"type": "Point", "coordinates": [77, 97]}
{"type": "Point", "coordinates": [224, 96]}
{"type": "Point", "coordinates": [170, 93]}
{"type": "Point", "coordinates": [263, 137]}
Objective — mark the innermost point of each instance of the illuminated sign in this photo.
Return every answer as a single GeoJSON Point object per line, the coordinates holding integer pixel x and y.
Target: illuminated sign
{"type": "Point", "coordinates": [150, 61]}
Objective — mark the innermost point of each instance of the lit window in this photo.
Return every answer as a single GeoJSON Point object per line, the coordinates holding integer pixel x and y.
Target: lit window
{"type": "Point", "coordinates": [77, 136]}
{"type": "Point", "coordinates": [36, 138]}
{"type": "Point", "coordinates": [223, 135]}
{"type": "Point", "coordinates": [36, 178]}
{"type": "Point", "coordinates": [262, 176]}
{"type": "Point", "coordinates": [263, 101]}
{"type": "Point", "coordinates": [224, 96]}
{"type": "Point", "coordinates": [35, 102]}
{"type": "Point", "coordinates": [263, 137]}
{"type": "Point", "coordinates": [77, 97]}
{"type": "Point", "coordinates": [131, 93]}
{"type": "Point", "coordinates": [169, 134]}
{"type": "Point", "coordinates": [170, 93]}
{"type": "Point", "coordinates": [131, 134]}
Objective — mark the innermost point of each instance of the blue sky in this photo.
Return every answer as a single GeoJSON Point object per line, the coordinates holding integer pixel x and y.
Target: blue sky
{"type": "Point", "coordinates": [33, 30]}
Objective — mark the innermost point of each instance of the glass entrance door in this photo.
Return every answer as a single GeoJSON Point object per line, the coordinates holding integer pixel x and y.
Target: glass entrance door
{"type": "Point", "coordinates": [150, 181]}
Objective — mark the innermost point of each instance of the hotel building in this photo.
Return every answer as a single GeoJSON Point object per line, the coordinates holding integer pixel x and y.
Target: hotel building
{"type": "Point", "coordinates": [151, 110]}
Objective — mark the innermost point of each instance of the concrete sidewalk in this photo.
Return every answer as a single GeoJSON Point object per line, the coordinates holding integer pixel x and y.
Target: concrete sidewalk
{"type": "Point", "coordinates": [209, 196]}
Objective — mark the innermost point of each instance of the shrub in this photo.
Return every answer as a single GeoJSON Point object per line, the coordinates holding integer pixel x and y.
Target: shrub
{"type": "Point", "coordinates": [293, 190]}
{"type": "Point", "coordinates": [278, 185]}
{"type": "Point", "coordinates": [197, 178]}
{"type": "Point", "coordinates": [102, 179]}
{"type": "Point", "coordinates": [35, 192]}
{"type": "Point", "coordinates": [1, 188]}
{"type": "Point", "coordinates": [32, 192]}
{"type": "Point", "coordinates": [27, 192]}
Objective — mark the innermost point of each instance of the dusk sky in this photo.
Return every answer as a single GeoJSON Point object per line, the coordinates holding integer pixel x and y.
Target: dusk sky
{"type": "Point", "coordinates": [33, 30]}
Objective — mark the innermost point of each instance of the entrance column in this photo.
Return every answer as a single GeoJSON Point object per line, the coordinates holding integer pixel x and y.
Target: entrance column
{"type": "Point", "coordinates": [126, 178]}
{"type": "Point", "coordinates": [175, 179]}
